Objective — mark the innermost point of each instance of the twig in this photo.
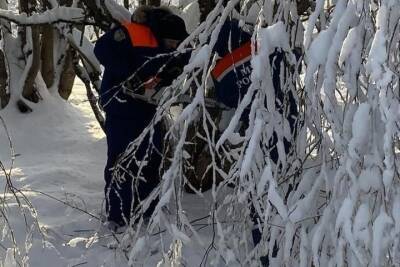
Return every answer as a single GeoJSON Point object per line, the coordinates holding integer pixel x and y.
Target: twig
{"type": "Point", "coordinates": [80, 264]}
{"type": "Point", "coordinates": [63, 202]}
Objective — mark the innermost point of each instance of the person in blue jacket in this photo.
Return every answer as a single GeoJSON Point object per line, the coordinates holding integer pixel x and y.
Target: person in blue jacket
{"type": "Point", "coordinates": [231, 77]}
{"type": "Point", "coordinates": [231, 74]}
{"type": "Point", "coordinates": [130, 56]}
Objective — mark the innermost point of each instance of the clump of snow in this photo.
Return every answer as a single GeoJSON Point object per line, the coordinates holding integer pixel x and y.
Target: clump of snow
{"type": "Point", "coordinates": [377, 65]}
{"type": "Point", "coordinates": [315, 54]}
{"type": "Point", "coordinates": [117, 11]}
{"type": "Point", "coordinates": [191, 16]}
{"type": "Point", "coordinates": [199, 58]}
{"type": "Point", "coordinates": [252, 15]}
{"type": "Point", "coordinates": [362, 231]}
{"type": "Point", "coordinates": [351, 42]}
{"type": "Point", "coordinates": [382, 225]}
{"type": "Point", "coordinates": [75, 241]}
{"type": "Point", "coordinates": [139, 246]}
{"type": "Point", "coordinates": [370, 179]}
{"type": "Point", "coordinates": [270, 38]}
{"type": "Point", "coordinates": [361, 129]}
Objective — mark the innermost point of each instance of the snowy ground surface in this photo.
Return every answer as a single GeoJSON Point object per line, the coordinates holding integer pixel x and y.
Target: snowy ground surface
{"type": "Point", "coordinates": [60, 158]}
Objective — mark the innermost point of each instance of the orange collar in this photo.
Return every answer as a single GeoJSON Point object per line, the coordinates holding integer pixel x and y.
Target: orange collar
{"type": "Point", "coordinates": [140, 35]}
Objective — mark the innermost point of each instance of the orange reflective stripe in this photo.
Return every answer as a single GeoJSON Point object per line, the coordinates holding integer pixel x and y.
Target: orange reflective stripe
{"type": "Point", "coordinates": [236, 56]}
{"type": "Point", "coordinates": [140, 35]}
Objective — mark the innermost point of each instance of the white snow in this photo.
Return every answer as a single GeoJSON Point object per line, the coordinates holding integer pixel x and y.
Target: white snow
{"type": "Point", "coordinates": [361, 130]}
{"type": "Point", "coordinates": [60, 156]}
{"type": "Point", "coordinates": [191, 16]}
{"type": "Point", "coordinates": [117, 11]}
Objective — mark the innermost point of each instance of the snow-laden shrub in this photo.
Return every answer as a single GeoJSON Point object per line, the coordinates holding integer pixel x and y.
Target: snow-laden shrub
{"type": "Point", "coordinates": [334, 199]}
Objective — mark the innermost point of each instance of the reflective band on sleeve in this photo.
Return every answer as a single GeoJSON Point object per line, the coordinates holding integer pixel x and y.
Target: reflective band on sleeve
{"type": "Point", "coordinates": [237, 57]}
{"type": "Point", "coordinates": [140, 35]}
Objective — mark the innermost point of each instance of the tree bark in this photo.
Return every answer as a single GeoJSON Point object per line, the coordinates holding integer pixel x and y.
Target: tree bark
{"type": "Point", "coordinates": [4, 94]}
{"type": "Point", "coordinates": [47, 50]}
{"type": "Point", "coordinates": [67, 75]}
{"type": "Point", "coordinates": [29, 91]}
{"type": "Point", "coordinates": [4, 78]}
{"type": "Point", "coordinates": [92, 8]}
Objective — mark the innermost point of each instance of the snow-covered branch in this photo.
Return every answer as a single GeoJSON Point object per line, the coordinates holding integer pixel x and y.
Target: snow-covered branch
{"type": "Point", "coordinates": [52, 16]}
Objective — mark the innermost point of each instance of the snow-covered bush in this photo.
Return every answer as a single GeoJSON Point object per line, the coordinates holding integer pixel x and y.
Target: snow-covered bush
{"type": "Point", "coordinates": [334, 199]}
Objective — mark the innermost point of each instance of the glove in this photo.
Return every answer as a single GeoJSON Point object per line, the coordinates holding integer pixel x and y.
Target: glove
{"type": "Point", "coordinates": [173, 69]}
{"type": "Point", "coordinates": [169, 75]}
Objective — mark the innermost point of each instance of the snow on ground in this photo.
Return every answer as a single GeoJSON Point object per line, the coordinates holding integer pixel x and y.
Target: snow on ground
{"type": "Point", "coordinates": [61, 152]}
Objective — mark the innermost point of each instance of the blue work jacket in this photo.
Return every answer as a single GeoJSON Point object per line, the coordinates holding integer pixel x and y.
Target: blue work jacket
{"type": "Point", "coordinates": [129, 49]}
{"type": "Point", "coordinates": [232, 72]}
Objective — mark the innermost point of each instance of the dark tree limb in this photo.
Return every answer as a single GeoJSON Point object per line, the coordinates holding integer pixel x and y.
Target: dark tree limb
{"type": "Point", "coordinates": [126, 4]}
{"type": "Point", "coordinates": [4, 81]}
{"type": "Point", "coordinates": [84, 76]}
{"type": "Point", "coordinates": [205, 6]}
{"type": "Point", "coordinates": [103, 20]}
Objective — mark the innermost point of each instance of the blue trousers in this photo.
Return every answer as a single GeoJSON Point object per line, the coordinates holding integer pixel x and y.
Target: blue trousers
{"type": "Point", "coordinates": [124, 197]}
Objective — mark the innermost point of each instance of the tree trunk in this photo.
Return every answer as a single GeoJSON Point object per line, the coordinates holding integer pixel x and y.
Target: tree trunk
{"type": "Point", "coordinates": [67, 75]}
{"type": "Point", "coordinates": [4, 79]}
{"type": "Point", "coordinates": [47, 50]}
{"type": "Point", "coordinates": [29, 91]}
{"type": "Point", "coordinates": [4, 94]}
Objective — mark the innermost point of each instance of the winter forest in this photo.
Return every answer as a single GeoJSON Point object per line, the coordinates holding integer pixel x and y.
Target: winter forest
{"type": "Point", "coordinates": [332, 199]}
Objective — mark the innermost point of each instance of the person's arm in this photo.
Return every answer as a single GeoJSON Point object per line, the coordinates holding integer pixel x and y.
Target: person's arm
{"type": "Point", "coordinates": [173, 68]}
